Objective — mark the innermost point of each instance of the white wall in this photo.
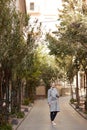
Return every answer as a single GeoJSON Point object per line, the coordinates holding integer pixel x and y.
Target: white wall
{"type": "Point", "coordinates": [48, 10]}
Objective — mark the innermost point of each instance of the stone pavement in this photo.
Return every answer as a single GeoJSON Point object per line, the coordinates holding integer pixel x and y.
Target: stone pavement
{"type": "Point", "coordinates": [38, 118]}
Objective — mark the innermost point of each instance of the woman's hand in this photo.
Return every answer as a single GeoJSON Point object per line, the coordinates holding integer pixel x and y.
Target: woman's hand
{"type": "Point", "coordinates": [49, 104]}
{"type": "Point", "coordinates": [57, 96]}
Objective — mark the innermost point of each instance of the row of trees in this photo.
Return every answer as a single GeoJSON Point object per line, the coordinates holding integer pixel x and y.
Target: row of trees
{"type": "Point", "coordinates": [24, 61]}
{"type": "Point", "coordinates": [12, 52]}
{"type": "Point", "coordinates": [70, 42]}
{"type": "Point", "coordinates": [21, 59]}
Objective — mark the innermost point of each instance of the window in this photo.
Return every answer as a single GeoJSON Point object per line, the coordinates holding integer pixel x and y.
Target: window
{"type": "Point", "coordinates": [31, 6]}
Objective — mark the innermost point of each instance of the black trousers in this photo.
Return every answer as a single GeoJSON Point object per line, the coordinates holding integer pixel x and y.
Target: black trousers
{"type": "Point", "coordinates": [53, 115]}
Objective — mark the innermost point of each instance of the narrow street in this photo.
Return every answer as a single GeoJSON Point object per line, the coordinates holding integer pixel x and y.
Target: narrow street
{"type": "Point", "coordinates": [67, 119]}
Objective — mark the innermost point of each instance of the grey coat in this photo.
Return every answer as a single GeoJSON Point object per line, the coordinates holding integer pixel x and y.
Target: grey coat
{"type": "Point", "coordinates": [53, 99]}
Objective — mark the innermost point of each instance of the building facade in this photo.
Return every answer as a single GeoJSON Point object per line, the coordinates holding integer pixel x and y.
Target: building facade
{"type": "Point", "coordinates": [21, 5]}
{"type": "Point", "coordinates": [45, 11]}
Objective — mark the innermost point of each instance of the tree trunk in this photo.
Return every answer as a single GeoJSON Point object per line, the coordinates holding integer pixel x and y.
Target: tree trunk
{"type": "Point", "coordinates": [14, 98]}
{"type": "Point", "coordinates": [77, 91]}
{"type": "Point", "coordinates": [71, 91]}
{"type": "Point", "coordinates": [86, 92]}
{"type": "Point", "coordinates": [19, 94]}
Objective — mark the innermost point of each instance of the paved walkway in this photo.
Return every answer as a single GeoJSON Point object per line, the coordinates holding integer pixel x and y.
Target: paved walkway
{"type": "Point", "coordinates": [67, 119]}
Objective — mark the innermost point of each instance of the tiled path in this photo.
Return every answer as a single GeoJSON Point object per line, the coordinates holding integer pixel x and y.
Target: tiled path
{"type": "Point", "coordinates": [67, 119]}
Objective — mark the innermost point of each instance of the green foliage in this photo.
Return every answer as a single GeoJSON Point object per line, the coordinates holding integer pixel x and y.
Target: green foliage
{"type": "Point", "coordinates": [6, 127]}
{"type": "Point", "coordinates": [72, 100]}
{"type": "Point", "coordinates": [85, 112]}
{"type": "Point", "coordinates": [20, 114]}
{"type": "Point", "coordinates": [48, 69]}
{"type": "Point", "coordinates": [26, 101]}
{"type": "Point", "coordinates": [12, 45]}
{"type": "Point", "coordinates": [71, 40]}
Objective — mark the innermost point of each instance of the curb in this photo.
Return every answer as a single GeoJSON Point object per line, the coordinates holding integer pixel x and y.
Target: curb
{"type": "Point", "coordinates": [15, 127]}
{"type": "Point", "coordinates": [79, 111]}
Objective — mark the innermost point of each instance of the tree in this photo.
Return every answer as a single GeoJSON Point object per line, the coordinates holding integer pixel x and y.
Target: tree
{"type": "Point", "coordinates": [71, 36]}
{"type": "Point", "coordinates": [12, 49]}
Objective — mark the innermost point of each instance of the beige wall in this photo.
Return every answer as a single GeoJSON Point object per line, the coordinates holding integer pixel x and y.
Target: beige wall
{"type": "Point", "coordinates": [65, 91]}
{"type": "Point", "coordinates": [40, 91]}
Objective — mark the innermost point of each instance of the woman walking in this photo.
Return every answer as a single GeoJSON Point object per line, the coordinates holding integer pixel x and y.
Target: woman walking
{"type": "Point", "coordinates": [53, 96]}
